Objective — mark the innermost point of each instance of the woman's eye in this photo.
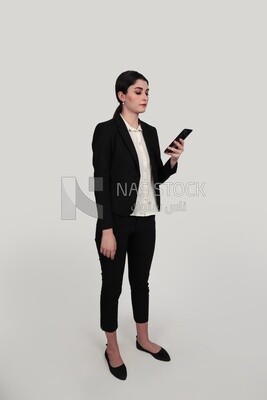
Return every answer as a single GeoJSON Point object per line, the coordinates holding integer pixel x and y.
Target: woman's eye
{"type": "Point", "coordinates": [141, 93]}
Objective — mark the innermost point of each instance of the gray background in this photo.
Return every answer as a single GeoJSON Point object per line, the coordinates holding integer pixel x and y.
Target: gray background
{"type": "Point", "coordinates": [206, 66]}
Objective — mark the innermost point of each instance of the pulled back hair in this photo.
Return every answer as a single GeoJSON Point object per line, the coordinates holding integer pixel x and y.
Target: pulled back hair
{"type": "Point", "coordinates": [124, 80]}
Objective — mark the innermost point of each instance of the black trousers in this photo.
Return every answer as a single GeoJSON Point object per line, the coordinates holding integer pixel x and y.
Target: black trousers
{"type": "Point", "coordinates": [135, 237]}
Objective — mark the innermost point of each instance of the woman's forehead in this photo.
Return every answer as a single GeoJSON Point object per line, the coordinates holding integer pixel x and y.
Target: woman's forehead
{"type": "Point", "coordinates": [140, 84]}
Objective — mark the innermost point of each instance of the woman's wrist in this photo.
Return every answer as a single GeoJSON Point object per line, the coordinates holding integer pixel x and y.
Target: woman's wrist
{"type": "Point", "coordinates": [173, 162]}
{"type": "Point", "coordinates": [107, 231]}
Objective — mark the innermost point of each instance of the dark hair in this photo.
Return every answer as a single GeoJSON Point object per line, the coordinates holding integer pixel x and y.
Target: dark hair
{"type": "Point", "coordinates": [124, 80]}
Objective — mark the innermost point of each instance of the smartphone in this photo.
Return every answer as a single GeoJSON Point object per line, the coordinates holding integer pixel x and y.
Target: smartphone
{"type": "Point", "coordinates": [182, 135]}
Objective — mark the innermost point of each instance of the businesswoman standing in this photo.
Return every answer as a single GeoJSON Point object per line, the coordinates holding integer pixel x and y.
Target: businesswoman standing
{"type": "Point", "coordinates": [127, 173]}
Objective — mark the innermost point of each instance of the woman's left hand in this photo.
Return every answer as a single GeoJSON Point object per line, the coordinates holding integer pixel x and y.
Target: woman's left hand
{"type": "Point", "coordinates": [176, 153]}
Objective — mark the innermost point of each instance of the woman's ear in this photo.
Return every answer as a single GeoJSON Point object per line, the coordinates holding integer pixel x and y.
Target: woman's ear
{"type": "Point", "coordinates": [121, 96]}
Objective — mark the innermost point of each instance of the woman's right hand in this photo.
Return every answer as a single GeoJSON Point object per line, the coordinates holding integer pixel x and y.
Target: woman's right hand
{"type": "Point", "coordinates": [108, 244]}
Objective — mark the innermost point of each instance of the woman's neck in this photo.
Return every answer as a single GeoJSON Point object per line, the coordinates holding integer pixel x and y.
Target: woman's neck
{"type": "Point", "coordinates": [131, 118]}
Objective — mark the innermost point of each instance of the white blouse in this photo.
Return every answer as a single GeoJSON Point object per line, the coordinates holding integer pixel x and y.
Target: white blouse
{"type": "Point", "coordinates": [146, 200]}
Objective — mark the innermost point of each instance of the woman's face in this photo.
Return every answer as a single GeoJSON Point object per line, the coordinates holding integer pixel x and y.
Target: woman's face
{"type": "Point", "coordinates": [136, 98]}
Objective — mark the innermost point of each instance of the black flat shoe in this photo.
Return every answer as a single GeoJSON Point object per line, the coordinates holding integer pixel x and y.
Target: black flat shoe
{"type": "Point", "coordinates": [161, 355]}
{"type": "Point", "coordinates": [119, 372]}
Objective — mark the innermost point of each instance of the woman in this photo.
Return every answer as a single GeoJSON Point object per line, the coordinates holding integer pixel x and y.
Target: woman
{"type": "Point", "coordinates": [128, 171]}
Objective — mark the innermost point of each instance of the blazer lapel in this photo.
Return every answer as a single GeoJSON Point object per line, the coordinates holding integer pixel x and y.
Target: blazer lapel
{"type": "Point", "coordinates": [149, 144]}
{"type": "Point", "coordinates": [128, 140]}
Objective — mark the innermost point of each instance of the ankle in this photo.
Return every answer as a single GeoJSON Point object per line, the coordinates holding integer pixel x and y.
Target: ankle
{"type": "Point", "coordinates": [112, 348]}
{"type": "Point", "coordinates": [143, 339]}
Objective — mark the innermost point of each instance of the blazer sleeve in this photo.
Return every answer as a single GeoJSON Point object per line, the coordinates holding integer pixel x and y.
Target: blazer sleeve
{"type": "Point", "coordinates": [166, 170]}
{"type": "Point", "coordinates": [101, 146]}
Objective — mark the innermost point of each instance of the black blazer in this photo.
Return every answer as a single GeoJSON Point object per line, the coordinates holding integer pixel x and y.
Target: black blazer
{"type": "Point", "coordinates": [115, 161]}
